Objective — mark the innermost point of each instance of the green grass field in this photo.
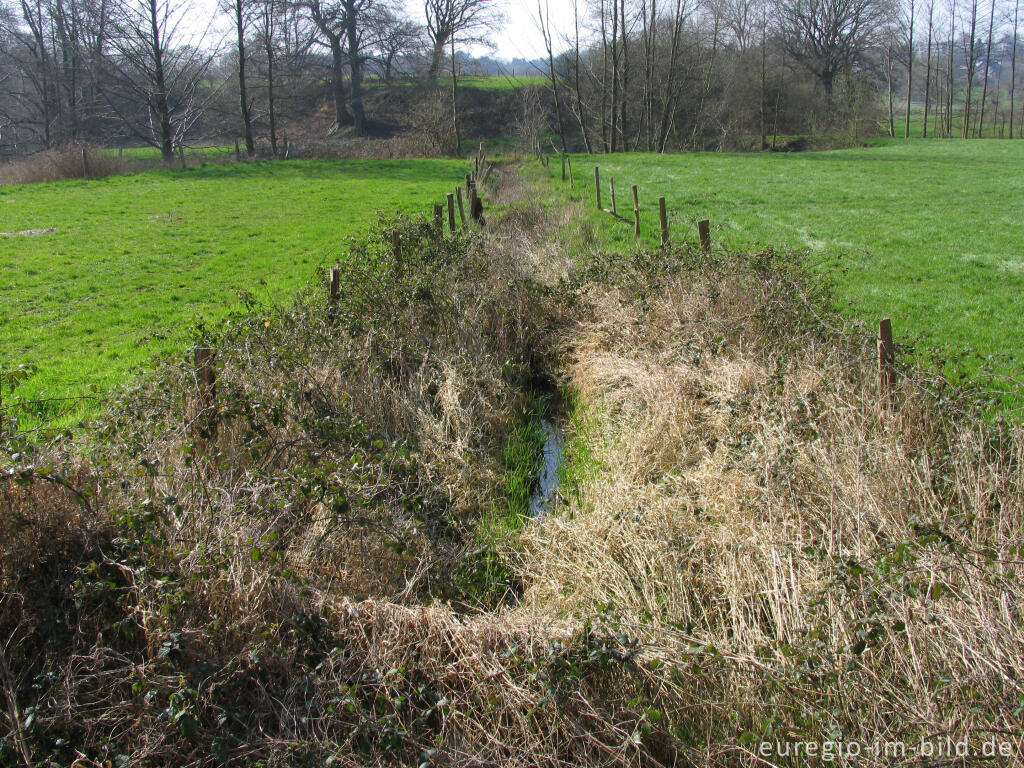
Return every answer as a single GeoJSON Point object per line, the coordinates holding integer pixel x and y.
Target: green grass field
{"type": "Point", "coordinates": [134, 261]}
{"type": "Point", "coordinates": [928, 232]}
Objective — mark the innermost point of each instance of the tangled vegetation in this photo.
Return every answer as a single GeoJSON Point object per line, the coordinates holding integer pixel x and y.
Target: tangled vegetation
{"type": "Point", "coordinates": [331, 564]}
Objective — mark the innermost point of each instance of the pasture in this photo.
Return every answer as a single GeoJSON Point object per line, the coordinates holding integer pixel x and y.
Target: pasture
{"type": "Point", "coordinates": [116, 270]}
{"type": "Point", "coordinates": [928, 232]}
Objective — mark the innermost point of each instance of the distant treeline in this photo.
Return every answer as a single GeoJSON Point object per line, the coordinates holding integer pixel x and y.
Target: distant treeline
{"type": "Point", "coordinates": [620, 75]}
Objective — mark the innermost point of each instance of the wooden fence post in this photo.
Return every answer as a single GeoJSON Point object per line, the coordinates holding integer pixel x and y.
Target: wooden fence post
{"type": "Point", "coordinates": [886, 365]}
{"type": "Point", "coordinates": [120, 154]}
{"type": "Point", "coordinates": [476, 206]}
{"type": "Point", "coordinates": [238, 154]}
{"type": "Point", "coordinates": [611, 190]}
{"type": "Point", "coordinates": [335, 289]}
{"type": "Point", "coordinates": [85, 162]}
{"type": "Point", "coordinates": [704, 230]}
{"type": "Point", "coordinates": [636, 211]}
{"type": "Point", "coordinates": [469, 182]}
{"type": "Point", "coordinates": [597, 185]}
{"type": "Point", "coordinates": [206, 376]}
{"type": "Point", "coordinates": [462, 210]}
{"type": "Point", "coordinates": [438, 219]}
{"type": "Point", "coordinates": [572, 183]}
{"type": "Point", "coordinates": [450, 198]}
{"type": "Point", "coordinates": [663, 216]}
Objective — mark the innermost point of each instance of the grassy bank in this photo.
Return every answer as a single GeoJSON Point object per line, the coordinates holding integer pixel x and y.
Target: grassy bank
{"type": "Point", "coordinates": [115, 270]}
{"type": "Point", "coordinates": [926, 232]}
{"type": "Point", "coordinates": [329, 564]}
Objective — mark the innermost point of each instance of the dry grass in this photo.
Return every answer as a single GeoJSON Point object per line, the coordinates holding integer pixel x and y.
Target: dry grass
{"type": "Point", "coordinates": [57, 164]}
{"type": "Point", "coordinates": [747, 547]}
{"type": "Point", "coordinates": [855, 569]}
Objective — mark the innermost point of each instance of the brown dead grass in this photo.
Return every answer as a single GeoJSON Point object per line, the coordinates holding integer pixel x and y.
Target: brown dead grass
{"type": "Point", "coordinates": [856, 568]}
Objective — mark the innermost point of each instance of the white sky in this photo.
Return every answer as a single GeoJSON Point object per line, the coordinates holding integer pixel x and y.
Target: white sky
{"type": "Point", "coordinates": [519, 38]}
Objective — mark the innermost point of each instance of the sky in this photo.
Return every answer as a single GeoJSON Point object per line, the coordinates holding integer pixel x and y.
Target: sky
{"type": "Point", "coordinates": [520, 37]}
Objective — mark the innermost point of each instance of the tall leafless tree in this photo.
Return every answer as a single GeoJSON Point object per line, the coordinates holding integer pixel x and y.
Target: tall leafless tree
{"type": "Point", "coordinates": [153, 71]}
{"type": "Point", "coordinates": [830, 37]}
{"type": "Point", "coordinates": [464, 21]}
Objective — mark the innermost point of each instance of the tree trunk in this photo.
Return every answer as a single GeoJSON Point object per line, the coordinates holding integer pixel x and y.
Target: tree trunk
{"type": "Point", "coordinates": [889, 65]}
{"type": "Point", "coordinates": [457, 149]}
{"type": "Point", "coordinates": [268, 41]}
{"type": "Point", "coordinates": [436, 56]}
{"type": "Point", "coordinates": [950, 75]}
{"type": "Point", "coordinates": [580, 108]}
{"type": "Point", "coordinates": [1013, 63]}
{"type": "Point", "coordinates": [604, 79]}
{"type": "Point", "coordinates": [341, 114]}
{"type": "Point", "coordinates": [243, 100]}
{"type": "Point", "coordinates": [988, 59]}
{"type": "Point", "coordinates": [615, 73]}
{"type": "Point", "coordinates": [928, 72]}
{"type": "Point", "coordinates": [355, 65]}
{"type": "Point", "coordinates": [910, 67]}
{"type": "Point", "coordinates": [160, 97]}
{"type": "Point", "coordinates": [971, 63]}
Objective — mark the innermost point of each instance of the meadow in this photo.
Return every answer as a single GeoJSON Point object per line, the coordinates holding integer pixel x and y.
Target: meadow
{"type": "Point", "coordinates": [927, 232]}
{"type": "Point", "coordinates": [118, 269]}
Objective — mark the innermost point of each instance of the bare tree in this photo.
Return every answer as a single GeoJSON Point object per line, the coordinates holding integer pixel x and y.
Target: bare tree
{"type": "Point", "coordinates": [830, 37]}
{"type": "Point", "coordinates": [350, 30]}
{"type": "Point", "coordinates": [397, 38]}
{"type": "Point", "coordinates": [1013, 61]}
{"type": "Point", "coordinates": [242, 12]}
{"type": "Point", "coordinates": [544, 24]}
{"type": "Point", "coordinates": [988, 68]}
{"type": "Point", "coordinates": [461, 21]}
{"type": "Point", "coordinates": [971, 52]}
{"type": "Point", "coordinates": [928, 68]}
{"type": "Point", "coordinates": [909, 27]}
{"type": "Point", "coordinates": [153, 71]}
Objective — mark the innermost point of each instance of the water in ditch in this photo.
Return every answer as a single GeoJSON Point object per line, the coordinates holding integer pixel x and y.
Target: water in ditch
{"type": "Point", "coordinates": [543, 496]}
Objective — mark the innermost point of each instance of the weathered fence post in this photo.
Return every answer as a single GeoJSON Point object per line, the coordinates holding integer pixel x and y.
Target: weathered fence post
{"type": "Point", "coordinates": [663, 216]}
{"type": "Point", "coordinates": [238, 154]}
{"type": "Point", "coordinates": [85, 162]}
{"type": "Point", "coordinates": [572, 183]}
{"type": "Point", "coordinates": [476, 206]}
{"type": "Point", "coordinates": [611, 190]}
{"type": "Point", "coordinates": [636, 211]}
{"type": "Point", "coordinates": [120, 154]}
{"type": "Point", "coordinates": [450, 198]}
{"type": "Point", "coordinates": [335, 289]}
{"type": "Point", "coordinates": [438, 219]}
{"type": "Point", "coordinates": [704, 230]}
{"type": "Point", "coordinates": [886, 365]}
{"type": "Point", "coordinates": [597, 185]}
{"type": "Point", "coordinates": [462, 210]}
{"type": "Point", "coordinates": [206, 376]}
{"type": "Point", "coordinates": [469, 182]}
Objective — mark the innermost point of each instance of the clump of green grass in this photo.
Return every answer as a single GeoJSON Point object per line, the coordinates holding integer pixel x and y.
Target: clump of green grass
{"type": "Point", "coordinates": [133, 261]}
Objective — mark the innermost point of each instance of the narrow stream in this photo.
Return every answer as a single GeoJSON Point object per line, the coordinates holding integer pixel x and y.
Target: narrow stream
{"type": "Point", "coordinates": [542, 498]}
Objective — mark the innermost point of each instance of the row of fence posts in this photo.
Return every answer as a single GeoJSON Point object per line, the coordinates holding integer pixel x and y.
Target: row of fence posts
{"type": "Point", "coordinates": [886, 347]}
{"type": "Point", "coordinates": [204, 358]}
